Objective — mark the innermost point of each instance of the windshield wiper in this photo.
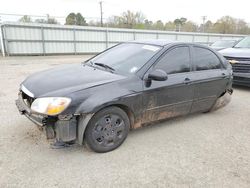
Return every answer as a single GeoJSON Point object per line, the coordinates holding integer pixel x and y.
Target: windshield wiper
{"type": "Point", "coordinates": [105, 66]}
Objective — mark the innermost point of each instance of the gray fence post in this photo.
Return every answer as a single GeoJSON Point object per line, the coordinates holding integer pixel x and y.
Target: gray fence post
{"type": "Point", "coordinates": [74, 37]}
{"type": "Point", "coordinates": [208, 39]}
{"type": "Point", "coordinates": [6, 44]}
{"type": "Point", "coordinates": [43, 42]}
{"type": "Point", "coordinates": [107, 38]}
{"type": "Point", "coordinates": [193, 38]}
{"type": "Point", "coordinates": [134, 35]}
{"type": "Point", "coordinates": [2, 41]}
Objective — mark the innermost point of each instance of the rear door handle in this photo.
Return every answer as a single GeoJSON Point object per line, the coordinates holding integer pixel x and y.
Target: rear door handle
{"type": "Point", "coordinates": [187, 81]}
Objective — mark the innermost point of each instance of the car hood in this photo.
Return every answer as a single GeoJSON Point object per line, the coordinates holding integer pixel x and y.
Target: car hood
{"type": "Point", "coordinates": [63, 80]}
{"type": "Point", "coordinates": [217, 48]}
{"type": "Point", "coordinates": [236, 52]}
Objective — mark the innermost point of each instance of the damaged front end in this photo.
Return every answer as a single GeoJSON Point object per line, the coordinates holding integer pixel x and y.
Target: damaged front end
{"type": "Point", "coordinates": [62, 128]}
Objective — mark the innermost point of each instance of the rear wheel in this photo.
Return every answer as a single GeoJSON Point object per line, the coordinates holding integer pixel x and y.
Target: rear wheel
{"type": "Point", "coordinates": [107, 129]}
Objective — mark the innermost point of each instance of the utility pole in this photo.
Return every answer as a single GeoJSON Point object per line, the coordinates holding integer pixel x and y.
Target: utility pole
{"type": "Point", "coordinates": [203, 23]}
{"type": "Point", "coordinates": [101, 13]}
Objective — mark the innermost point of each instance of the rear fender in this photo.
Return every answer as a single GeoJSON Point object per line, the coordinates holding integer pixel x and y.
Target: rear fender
{"type": "Point", "coordinates": [222, 100]}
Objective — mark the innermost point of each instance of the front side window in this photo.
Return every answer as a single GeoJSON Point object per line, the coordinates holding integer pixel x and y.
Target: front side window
{"type": "Point", "coordinates": [205, 59]}
{"type": "Point", "coordinates": [127, 58]}
{"type": "Point", "coordinates": [176, 60]}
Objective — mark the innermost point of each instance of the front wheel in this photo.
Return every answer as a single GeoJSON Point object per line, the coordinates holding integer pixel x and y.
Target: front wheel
{"type": "Point", "coordinates": [107, 130]}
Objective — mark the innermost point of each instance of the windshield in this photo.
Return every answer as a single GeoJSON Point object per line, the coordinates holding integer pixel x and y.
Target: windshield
{"type": "Point", "coordinates": [224, 43]}
{"type": "Point", "coordinates": [244, 43]}
{"type": "Point", "coordinates": [126, 57]}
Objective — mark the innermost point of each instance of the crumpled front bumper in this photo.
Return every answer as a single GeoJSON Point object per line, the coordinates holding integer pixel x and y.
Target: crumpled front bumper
{"type": "Point", "coordinates": [25, 110]}
{"type": "Point", "coordinates": [62, 129]}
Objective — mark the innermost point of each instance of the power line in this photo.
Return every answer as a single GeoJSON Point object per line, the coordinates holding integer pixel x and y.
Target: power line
{"type": "Point", "coordinates": [43, 16]}
{"type": "Point", "coordinates": [8, 14]}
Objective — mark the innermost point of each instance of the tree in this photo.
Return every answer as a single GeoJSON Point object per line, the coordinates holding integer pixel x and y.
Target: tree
{"type": "Point", "coordinates": [71, 19]}
{"type": "Point", "coordinates": [208, 26]}
{"type": "Point", "coordinates": [127, 19]}
{"type": "Point", "coordinates": [80, 20]}
{"type": "Point", "coordinates": [41, 21]}
{"type": "Point", "coordinates": [170, 26]}
{"type": "Point", "coordinates": [190, 26]}
{"type": "Point", "coordinates": [131, 19]}
{"type": "Point", "coordinates": [137, 20]}
{"type": "Point", "coordinates": [52, 21]}
{"type": "Point", "coordinates": [159, 25]}
{"type": "Point", "coordinates": [148, 24]}
{"type": "Point", "coordinates": [241, 27]}
{"type": "Point", "coordinates": [179, 22]}
{"type": "Point", "coordinates": [25, 19]}
{"type": "Point", "coordinates": [49, 20]}
{"type": "Point", "coordinates": [75, 19]}
{"type": "Point", "coordinates": [225, 25]}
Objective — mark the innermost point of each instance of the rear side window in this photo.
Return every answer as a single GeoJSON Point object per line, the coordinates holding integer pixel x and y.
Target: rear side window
{"type": "Point", "coordinates": [176, 60]}
{"type": "Point", "coordinates": [205, 59]}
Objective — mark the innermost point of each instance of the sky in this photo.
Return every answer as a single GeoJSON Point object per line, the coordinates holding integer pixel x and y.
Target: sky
{"type": "Point", "coordinates": [165, 10]}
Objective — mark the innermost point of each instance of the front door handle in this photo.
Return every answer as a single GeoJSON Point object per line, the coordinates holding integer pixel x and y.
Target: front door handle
{"type": "Point", "coordinates": [223, 75]}
{"type": "Point", "coordinates": [187, 81]}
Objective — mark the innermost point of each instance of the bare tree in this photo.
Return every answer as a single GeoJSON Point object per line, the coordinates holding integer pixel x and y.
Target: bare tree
{"type": "Point", "coordinates": [25, 19]}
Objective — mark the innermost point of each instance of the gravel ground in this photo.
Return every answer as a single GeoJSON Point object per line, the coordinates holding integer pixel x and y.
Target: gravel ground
{"type": "Point", "coordinates": [201, 150]}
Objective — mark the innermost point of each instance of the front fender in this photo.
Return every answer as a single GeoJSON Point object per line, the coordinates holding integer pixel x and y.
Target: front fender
{"type": "Point", "coordinates": [82, 125]}
{"type": "Point", "coordinates": [98, 100]}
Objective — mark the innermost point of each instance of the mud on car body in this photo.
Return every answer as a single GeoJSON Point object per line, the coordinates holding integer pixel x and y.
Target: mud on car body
{"type": "Point", "coordinates": [125, 87]}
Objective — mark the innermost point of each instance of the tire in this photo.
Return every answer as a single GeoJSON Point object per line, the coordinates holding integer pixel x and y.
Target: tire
{"type": "Point", "coordinates": [107, 130]}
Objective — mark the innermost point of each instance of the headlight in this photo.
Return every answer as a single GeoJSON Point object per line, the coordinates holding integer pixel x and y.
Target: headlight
{"type": "Point", "coordinates": [50, 105]}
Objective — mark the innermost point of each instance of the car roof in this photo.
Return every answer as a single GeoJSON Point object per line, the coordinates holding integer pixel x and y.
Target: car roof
{"type": "Point", "coordinates": [158, 42]}
{"type": "Point", "coordinates": [161, 42]}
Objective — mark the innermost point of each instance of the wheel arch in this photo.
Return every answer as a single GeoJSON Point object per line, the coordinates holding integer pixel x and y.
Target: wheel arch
{"type": "Point", "coordinates": [124, 107]}
{"type": "Point", "coordinates": [84, 119]}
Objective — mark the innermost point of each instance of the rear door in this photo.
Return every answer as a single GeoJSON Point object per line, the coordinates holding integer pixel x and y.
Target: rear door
{"type": "Point", "coordinates": [173, 97]}
{"type": "Point", "coordinates": [209, 78]}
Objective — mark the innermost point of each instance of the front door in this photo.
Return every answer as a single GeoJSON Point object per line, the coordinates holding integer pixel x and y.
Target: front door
{"type": "Point", "coordinates": [173, 97]}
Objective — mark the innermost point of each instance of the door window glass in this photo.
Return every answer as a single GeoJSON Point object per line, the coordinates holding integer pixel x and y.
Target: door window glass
{"type": "Point", "coordinates": [175, 61]}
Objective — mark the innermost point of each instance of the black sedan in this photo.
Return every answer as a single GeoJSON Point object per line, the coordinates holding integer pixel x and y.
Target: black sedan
{"type": "Point", "coordinates": [125, 87]}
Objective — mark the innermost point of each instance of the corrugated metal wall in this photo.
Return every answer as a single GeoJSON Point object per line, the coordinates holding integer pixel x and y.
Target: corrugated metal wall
{"type": "Point", "coordinates": [44, 39]}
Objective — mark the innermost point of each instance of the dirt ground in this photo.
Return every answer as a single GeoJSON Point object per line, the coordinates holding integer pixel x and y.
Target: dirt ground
{"type": "Point", "coordinates": [201, 150]}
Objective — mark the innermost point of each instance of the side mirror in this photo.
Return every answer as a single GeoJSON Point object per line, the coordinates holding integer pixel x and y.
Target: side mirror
{"type": "Point", "coordinates": [158, 75]}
